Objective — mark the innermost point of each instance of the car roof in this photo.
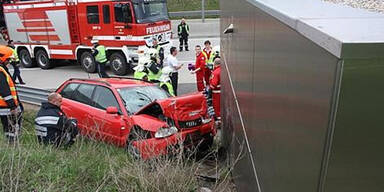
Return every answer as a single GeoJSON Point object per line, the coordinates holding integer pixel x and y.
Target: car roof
{"type": "Point", "coordinates": [115, 82]}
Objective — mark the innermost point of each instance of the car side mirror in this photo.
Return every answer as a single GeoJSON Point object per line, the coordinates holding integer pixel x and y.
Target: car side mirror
{"type": "Point", "coordinates": [112, 110]}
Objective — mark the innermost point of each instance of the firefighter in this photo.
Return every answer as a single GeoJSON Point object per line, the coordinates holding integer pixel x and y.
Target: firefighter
{"type": "Point", "coordinates": [159, 52]}
{"type": "Point", "coordinates": [52, 125]}
{"type": "Point", "coordinates": [141, 72]}
{"type": "Point", "coordinates": [154, 70]}
{"type": "Point", "coordinates": [100, 55]}
{"type": "Point", "coordinates": [10, 111]}
{"type": "Point", "coordinates": [209, 54]}
{"type": "Point", "coordinates": [214, 85]}
{"type": "Point", "coordinates": [183, 33]}
{"type": "Point", "coordinates": [165, 80]}
{"type": "Point", "coordinates": [199, 68]}
{"type": "Point", "coordinates": [15, 62]}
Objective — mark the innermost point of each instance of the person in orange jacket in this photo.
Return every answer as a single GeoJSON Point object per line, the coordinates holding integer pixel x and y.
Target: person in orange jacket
{"type": "Point", "coordinates": [214, 85]}
{"type": "Point", "coordinates": [199, 68]}
{"type": "Point", "coordinates": [10, 106]}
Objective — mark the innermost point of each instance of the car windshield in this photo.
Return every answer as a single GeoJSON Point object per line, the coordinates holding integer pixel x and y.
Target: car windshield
{"type": "Point", "coordinates": [149, 12]}
{"type": "Point", "coordinates": [137, 97]}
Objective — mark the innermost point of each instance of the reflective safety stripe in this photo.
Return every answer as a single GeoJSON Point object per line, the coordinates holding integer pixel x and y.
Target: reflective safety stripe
{"type": "Point", "coordinates": [40, 128]}
{"type": "Point", "coordinates": [216, 91]}
{"type": "Point", "coordinates": [51, 120]}
{"type": "Point", "coordinates": [11, 87]}
{"type": "Point", "coordinates": [9, 97]}
{"type": "Point", "coordinates": [40, 133]}
{"type": "Point", "coordinates": [7, 111]}
{"type": "Point", "coordinates": [9, 134]}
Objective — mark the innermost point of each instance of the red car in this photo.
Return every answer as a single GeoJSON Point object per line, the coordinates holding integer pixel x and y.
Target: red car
{"type": "Point", "coordinates": [137, 115]}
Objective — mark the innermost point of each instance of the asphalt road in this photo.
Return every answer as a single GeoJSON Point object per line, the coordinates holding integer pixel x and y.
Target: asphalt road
{"type": "Point", "coordinates": [52, 78]}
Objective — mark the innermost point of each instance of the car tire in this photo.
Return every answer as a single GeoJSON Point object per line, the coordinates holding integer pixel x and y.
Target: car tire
{"type": "Point", "coordinates": [43, 60]}
{"type": "Point", "coordinates": [26, 59]}
{"type": "Point", "coordinates": [87, 62]}
{"type": "Point", "coordinates": [133, 151]}
{"type": "Point", "coordinates": [118, 64]}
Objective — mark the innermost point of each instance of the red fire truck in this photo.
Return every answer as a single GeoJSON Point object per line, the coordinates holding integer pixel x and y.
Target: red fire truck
{"type": "Point", "coordinates": [63, 29]}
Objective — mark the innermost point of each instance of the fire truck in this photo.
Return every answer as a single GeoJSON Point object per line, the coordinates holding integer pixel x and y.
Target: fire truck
{"type": "Point", "coordinates": [47, 30]}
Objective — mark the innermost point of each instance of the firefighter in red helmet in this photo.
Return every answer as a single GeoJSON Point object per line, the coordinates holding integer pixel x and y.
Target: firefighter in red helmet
{"type": "Point", "coordinates": [10, 112]}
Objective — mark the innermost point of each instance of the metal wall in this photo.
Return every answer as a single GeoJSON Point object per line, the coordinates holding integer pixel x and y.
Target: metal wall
{"type": "Point", "coordinates": [282, 112]}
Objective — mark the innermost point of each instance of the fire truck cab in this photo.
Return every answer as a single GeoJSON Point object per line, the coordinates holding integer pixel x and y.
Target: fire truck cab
{"type": "Point", "coordinates": [63, 29]}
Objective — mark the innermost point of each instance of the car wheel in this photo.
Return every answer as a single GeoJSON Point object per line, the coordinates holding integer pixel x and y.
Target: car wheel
{"type": "Point", "coordinates": [133, 151]}
{"type": "Point", "coordinates": [87, 62]}
{"type": "Point", "coordinates": [118, 64]}
{"type": "Point", "coordinates": [26, 59]}
{"type": "Point", "coordinates": [43, 59]}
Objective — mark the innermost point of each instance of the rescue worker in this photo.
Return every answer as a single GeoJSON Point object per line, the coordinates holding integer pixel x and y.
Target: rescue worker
{"type": "Point", "coordinates": [154, 70]}
{"type": "Point", "coordinates": [98, 51]}
{"type": "Point", "coordinates": [215, 85]}
{"type": "Point", "coordinates": [10, 111]}
{"type": "Point", "coordinates": [165, 80]}
{"type": "Point", "coordinates": [52, 125]}
{"type": "Point", "coordinates": [141, 72]}
{"type": "Point", "coordinates": [199, 68]}
{"type": "Point", "coordinates": [183, 33]}
{"type": "Point", "coordinates": [15, 62]}
{"type": "Point", "coordinates": [159, 52]}
{"type": "Point", "coordinates": [209, 54]}
{"type": "Point", "coordinates": [174, 64]}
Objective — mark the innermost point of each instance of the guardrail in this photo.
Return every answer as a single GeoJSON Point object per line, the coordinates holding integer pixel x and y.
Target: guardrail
{"type": "Point", "coordinates": [194, 13]}
{"type": "Point", "coordinates": [31, 95]}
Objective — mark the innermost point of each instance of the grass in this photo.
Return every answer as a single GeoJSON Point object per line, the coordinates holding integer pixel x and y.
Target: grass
{"type": "Point", "coordinates": [191, 5]}
{"type": "Point", "coordinates": [92, 166]}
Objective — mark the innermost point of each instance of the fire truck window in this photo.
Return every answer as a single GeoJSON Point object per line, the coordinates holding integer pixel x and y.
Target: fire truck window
{"type": "Point", "coordinates": [93, 14]}
{"type": "Point", "coordinates": [104, 98]}
{"type": "Point", "coordinates": [106, 14]}
{"type": "Point", "coordinates": [123, 13]}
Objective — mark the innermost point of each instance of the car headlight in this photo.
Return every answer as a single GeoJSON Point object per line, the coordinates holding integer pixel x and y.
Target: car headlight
{"type": "Point", "coordinates": [205, 121]}
{"type": "Point", "coordinates": [165, 132]}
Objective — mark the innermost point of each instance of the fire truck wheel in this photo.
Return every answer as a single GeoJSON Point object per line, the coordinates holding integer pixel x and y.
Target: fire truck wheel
{"type": "Point", "coordinates": [25, 58]}
{"type": "Point", "coordinates": [118, 64]}
{"type": "Point", "coordinates": [43, 59]}
{"type": "Point", "coordinates": [88, 63]}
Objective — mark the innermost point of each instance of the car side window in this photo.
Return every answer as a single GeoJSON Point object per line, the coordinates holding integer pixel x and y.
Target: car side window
{"type": "Point", "coordinates": [83, 94]}
{"type": "Point", "coordinates": [68, 90]}
{"type": "Point", "coordinates": [104, 98]}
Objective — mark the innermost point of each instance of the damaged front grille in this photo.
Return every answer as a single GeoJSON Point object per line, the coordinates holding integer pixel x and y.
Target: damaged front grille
{"type": "Point", "coordinates": [190, 124]}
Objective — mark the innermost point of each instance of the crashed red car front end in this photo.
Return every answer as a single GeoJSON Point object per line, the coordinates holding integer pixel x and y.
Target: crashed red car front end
{"type": "Point", "coordinates": [187, 114]}
{"type": "Point", "coordinates": [137, 115]}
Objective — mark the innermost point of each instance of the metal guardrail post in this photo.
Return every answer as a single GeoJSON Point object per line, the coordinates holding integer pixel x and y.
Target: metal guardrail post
{"type": "Point", "coordinates": [203, 10]}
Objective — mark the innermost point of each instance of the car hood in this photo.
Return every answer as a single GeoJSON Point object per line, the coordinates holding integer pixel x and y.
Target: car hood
{"type": "Point", "coordinates": [148, 123]}
{"type": "Point", "coordinates": [181, 108]}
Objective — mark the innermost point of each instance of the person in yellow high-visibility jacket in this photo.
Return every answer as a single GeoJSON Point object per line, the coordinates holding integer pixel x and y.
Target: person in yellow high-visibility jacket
{"type": "Point", "coordinates": [100, 58]}
{"type": "Point", "coordinates": [15, 62]}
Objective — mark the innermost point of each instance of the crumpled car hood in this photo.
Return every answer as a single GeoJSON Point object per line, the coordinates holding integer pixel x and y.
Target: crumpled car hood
{"type": "Point", "coordinates": [148, 123]}
{"type": "Point", "coordinates": [181, 108]}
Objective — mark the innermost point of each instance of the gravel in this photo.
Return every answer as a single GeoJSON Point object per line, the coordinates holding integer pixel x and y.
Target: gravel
{"type": "Point", "coordinates": [371, 5]}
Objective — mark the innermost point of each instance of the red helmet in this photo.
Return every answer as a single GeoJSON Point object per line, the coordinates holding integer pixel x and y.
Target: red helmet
{"type": "Point", "coordinates": [5, 53]}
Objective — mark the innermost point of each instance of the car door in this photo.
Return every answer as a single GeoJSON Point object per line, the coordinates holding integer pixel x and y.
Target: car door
{"type": "Point", "coordinates": [80, 107]}
{"type": "Point", "coordinates": [109, 125]}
